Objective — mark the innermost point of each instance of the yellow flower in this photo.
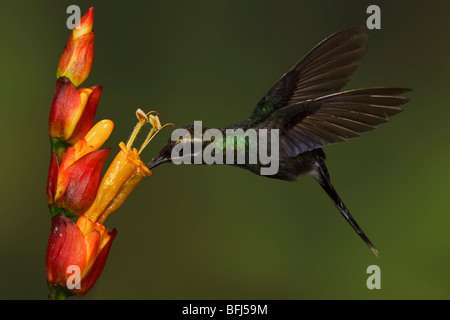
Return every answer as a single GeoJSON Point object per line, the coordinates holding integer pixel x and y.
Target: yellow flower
{"type": "Point", "coordinates": [125, 172]}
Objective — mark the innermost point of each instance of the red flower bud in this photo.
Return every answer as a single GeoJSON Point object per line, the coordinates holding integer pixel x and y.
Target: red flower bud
{"type": "Point", "coordinates": [78, 54]}
{"type": "Point", "coordinates": [76, 254]}
{"type": "Point", "coordinates": [73, 111]}
{"type": "Point", "coordinates": [65, 106]}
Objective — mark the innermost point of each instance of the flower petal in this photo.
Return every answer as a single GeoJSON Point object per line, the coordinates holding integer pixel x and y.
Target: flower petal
{"type": "Point", "coordinates": [52, 178]}
{"type": "Point", "coordinates": [78, 184]}
{"type": "Point", "coordinates": [95, 271]}
{"type": "Point", "coordinates": [85, 24]}
{"type": "Point", "coordinates": [64, 110]}
{"type": "Point", "coordinates": [86, 119]}
{"type": "Point", "coordinates": [76, 59]}
{"type": "Point", "coordinates": [66, 247]}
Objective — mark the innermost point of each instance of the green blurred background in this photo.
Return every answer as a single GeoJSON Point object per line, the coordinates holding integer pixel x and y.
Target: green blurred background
{"type": "Point", "coordinates": [199, 232]}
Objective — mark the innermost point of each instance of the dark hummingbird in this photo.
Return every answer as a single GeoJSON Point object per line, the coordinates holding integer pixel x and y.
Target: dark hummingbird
{"type": "Point", "coordinates": [310, 112]}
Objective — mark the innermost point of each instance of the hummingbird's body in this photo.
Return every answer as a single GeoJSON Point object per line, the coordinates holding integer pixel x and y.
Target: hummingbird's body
{"type": "Point", "coordinates": [308, 112]}
{"type": "Point", "coordinates": [289, 167]}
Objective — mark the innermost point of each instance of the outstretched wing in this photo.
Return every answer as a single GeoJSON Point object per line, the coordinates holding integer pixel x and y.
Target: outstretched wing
{"type": "Point", "coordinates": [337, 117]}
{"type": "Point", "coordinates": [323, 70]}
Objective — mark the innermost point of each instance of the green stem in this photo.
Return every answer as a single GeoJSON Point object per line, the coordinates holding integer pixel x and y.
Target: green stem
{"type": "Point", "coordinates": [59, 147]}
{"type": "Point", "coordinates": [56, 292]}
{"type": "Point", "coordinates": [55, 210]}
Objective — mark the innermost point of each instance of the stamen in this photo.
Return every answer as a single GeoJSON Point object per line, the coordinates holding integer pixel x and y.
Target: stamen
{"type": "Point", "coordinates": [156, 127]}
{"type": "Point", "coordinates": [143, 119]}
{"type": "Point", "coordinates": [141, 115]}
{"type": "Point", "coordinates": [150, 112]}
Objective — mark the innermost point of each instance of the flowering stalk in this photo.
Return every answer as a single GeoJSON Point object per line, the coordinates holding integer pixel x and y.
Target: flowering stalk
{"type": "Point", "coordinates": [77, 249]}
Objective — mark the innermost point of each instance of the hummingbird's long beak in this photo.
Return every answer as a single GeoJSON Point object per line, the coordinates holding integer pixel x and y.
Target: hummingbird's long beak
{"type": "Point", "coordinates": [156, 161]}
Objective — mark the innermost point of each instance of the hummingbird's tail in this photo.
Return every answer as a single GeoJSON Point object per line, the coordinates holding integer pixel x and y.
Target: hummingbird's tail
{"type": "Point", "coordinates": [320, 173]}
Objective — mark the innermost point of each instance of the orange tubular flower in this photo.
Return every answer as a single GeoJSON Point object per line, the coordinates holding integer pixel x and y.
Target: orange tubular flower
{"type": "Point", "coordinates": [78, 54]}
{"type": "Point", "coordinates": [125, 172]}
{"type": "Point", "coordinates": [76, 255]}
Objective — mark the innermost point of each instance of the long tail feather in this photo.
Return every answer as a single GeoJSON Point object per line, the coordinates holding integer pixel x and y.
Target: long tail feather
{"type": "Point", "coordinates": [322, 177]}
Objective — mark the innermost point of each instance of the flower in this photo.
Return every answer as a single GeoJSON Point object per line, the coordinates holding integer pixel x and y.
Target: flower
{"type": "Point", "coordinates": [76, 255]}
{"type": "Point", "coordinates": [72, 185]}
{"type": "Point", "coordinates": [76, 59]}
{"type": "Point", "coordinates": [125, 172]}
{"type": "Point", "coordinates": [72, 113]}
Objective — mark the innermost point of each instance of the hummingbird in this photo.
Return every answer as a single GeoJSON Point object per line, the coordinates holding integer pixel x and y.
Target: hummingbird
{"type": "Point", "coordinates": [310, 111]}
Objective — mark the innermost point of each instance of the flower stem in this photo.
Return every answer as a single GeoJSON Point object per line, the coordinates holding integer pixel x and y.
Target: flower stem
{"type": "Point", "coordinates": [57, 293]}
{"type": "Point", "coordinates": [55, 210]}
{"type": "Point", "coordinates": [59, 147]}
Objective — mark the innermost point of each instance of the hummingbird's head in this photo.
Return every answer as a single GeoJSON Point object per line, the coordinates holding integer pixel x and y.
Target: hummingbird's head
{"type": "Point", "coordinates": [180, 147]}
